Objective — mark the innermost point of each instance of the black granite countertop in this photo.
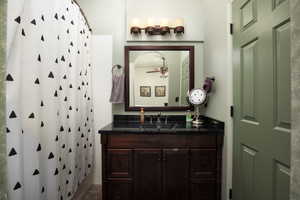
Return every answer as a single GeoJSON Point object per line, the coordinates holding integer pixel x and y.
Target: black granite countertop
{"type": "Point", "coordinates": [175, 124]}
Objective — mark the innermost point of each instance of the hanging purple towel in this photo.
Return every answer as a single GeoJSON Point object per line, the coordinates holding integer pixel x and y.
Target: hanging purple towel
{"type": "Point", "coordinates": [117, 91]}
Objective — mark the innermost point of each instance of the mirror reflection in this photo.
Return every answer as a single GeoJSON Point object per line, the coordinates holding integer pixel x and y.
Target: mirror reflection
{"type": "Point", "coordinates": [159, 78]}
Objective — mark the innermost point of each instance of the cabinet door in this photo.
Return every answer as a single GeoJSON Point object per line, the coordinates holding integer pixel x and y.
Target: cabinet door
{"type": "Point", "coordinates": [203, 190]}
{"type": "Point", "coordinates": [119, 163]}
{"type": "Point", "coordinates": [147, 174]}
{"type": "Point", "coordinates": [203, 163]}
{"type": "Point", "coordinates": [175, 174]}
{"type": "Point", "coordinates": [119, 190]}
{"type": "Point", "coordinates": [203, 172]}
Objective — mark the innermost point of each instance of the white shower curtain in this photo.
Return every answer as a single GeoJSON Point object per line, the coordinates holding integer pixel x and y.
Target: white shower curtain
{"type": "Point", "coordinates": [50, 142]}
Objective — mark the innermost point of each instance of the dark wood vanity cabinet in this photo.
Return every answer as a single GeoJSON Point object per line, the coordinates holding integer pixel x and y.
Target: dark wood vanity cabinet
{"type": "Point", "coordinates": [161, 167]}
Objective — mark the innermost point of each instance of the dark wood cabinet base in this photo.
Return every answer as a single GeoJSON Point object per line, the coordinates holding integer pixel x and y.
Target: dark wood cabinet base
{"type": "Point", "coordinates": [161, 167]}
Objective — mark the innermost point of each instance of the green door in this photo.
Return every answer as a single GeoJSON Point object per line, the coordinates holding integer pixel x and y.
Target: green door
{"type": "Point", "coordinates": [261, 60]}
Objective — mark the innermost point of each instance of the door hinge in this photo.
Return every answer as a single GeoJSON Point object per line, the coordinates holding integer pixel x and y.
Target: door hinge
{"type": "Point", "coordinates": [230, 193]}
{"type": "Point", "coordinates": [231, 111]}
{"type": "Point", "coordinates": [231, 28]}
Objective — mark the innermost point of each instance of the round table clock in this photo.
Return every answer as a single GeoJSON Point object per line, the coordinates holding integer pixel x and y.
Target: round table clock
{"type": "Point", "coordinates": [197, 97]}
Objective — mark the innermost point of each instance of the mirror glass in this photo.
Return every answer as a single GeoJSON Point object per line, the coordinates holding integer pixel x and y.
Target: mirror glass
{"type": "Point", "coordinates": [159, 78]}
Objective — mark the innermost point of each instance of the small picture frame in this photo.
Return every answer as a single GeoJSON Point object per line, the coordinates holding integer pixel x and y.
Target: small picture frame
{"type": "Point", "coordinates": [160, 91]}
{"type": "Point", "coordinates": [145, 91]}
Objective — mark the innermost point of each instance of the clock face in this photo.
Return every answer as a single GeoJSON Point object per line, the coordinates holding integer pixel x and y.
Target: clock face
{"type": "Point", "coordinates": [197, 96]}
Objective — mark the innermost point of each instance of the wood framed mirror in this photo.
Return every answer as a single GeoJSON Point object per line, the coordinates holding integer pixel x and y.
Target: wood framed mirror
{"type": "Point", "coordinates": [158, 78]}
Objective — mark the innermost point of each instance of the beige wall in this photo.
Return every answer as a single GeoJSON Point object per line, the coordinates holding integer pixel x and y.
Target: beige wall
{"type": "Point", "coordinates": [3, 186]}
{"type": "Point", "coordinates": [295, 63]}
{"type": "Point", "coordinates": [218, 63]}
{"type": "Point", "coordinates": [101, 45]}
{"type": "Point", "coordinates": [107, 17]}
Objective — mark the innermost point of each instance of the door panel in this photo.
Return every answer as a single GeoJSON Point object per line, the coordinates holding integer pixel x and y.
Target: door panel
{"type": "Point", "coordinates": [176, 173]}
{"type": "Point", "coordinates": [261, 66]}
{"type": "Point", "coordinates": [249, 60]}
{"type": "Point", "coordinates": [248, 168]}
{"type": "Point", "coordinates": [281, 182]}
{"type": "Point", "coordinates": [276, 3]}
{"type": "Point", "coordinates": [248, 13]}
{"type": "Point", "coordinates": [282, 85]}
{"type": "Point", "coordinates": [148, 173]}
{"type": "Point", "coordinates": [282, 75]}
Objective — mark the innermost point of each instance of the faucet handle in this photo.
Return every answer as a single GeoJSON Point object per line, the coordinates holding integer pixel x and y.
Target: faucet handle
{"type": "Point", "coordinates": [158, 117]}
{"type": "Point", "coordinates": [151, 119]}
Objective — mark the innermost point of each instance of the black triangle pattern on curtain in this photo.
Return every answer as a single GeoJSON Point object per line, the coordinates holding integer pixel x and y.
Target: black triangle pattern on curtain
{"type": "Point", "coordinates": [55, 123]}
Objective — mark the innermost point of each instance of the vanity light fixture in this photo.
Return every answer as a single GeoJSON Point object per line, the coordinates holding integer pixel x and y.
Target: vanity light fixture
{"type": "Point", "coordinates": [135, 26]}
{"type": "Point", "coordinates": [151, 28]}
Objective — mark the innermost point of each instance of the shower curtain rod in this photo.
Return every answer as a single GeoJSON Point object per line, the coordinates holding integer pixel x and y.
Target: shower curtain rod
{"type": "Point", "coordinates": [87, 22]}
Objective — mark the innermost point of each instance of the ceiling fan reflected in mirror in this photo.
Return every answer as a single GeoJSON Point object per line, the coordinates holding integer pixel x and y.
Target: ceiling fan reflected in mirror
{"type": "Point", "coordinates": [163, 70]}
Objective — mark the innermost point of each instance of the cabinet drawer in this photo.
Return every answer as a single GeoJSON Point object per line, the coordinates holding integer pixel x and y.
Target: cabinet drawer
{"type": "Point", "coordinates": [119, 163]}
{"type": "Point", "coordinates": [173, 141]}
{"type": "Point", "coordinates": [130, 141]}
{"type": "Point", "coordinates": [201, 141]}
{"type": "Point", "coordinates": [162, 140]}
{"type": "Point", "coordinates": [203, 163]}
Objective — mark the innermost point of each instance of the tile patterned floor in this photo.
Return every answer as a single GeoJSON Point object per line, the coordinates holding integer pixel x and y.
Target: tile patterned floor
{"type": "Point", "coordinates": [94, 193]}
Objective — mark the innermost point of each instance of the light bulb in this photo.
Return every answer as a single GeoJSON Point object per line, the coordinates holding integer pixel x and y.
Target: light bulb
{"type": "Point", "coordinates": [150, 22]}
{"type": "Point", "coordinates": [164, 22]}
{"type": "Point", "coordinates": [135, 22]}
{"type": "Point", "coordinates": [179, 22]}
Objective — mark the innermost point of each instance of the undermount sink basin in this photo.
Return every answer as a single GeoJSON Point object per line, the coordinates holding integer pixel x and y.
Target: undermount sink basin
{"type": "Point", "coordinates": [147, 126]}
{"type": "Point", "coordinates": [157, 126]}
